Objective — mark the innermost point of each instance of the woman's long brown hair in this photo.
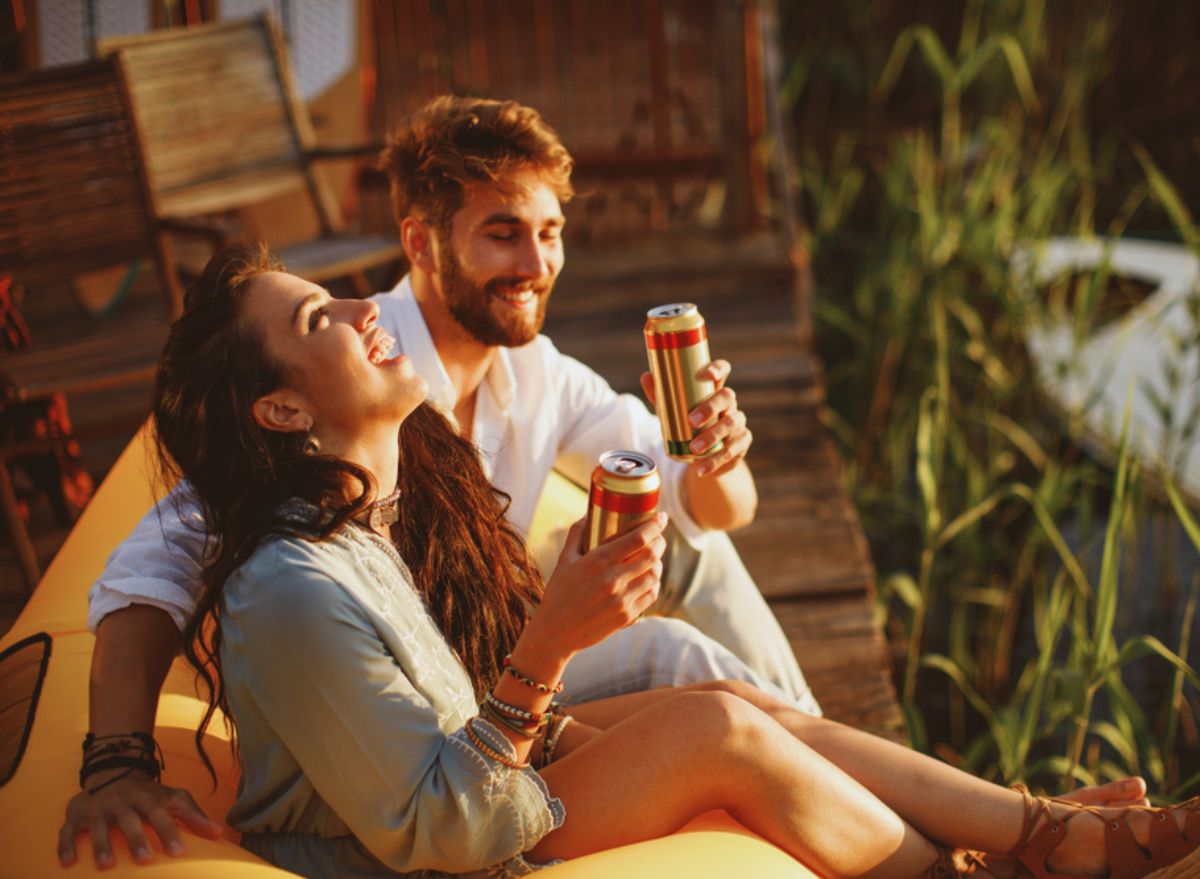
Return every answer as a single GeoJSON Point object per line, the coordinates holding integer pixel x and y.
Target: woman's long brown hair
{"type": "Point", "coordinates": [469, 564]}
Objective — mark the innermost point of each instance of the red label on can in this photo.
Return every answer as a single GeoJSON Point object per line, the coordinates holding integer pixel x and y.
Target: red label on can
{"type": "Point", "coordinates": [612, 502]}
{"type": "Point", "coordinates": [681, 339]}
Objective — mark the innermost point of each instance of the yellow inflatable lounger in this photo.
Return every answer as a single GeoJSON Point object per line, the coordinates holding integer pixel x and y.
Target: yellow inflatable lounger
{"type": "Point", "coordinates": [44, 663]}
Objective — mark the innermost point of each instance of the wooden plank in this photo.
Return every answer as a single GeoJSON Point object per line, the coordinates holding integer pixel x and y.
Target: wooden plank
{"type": "Point", "coordinates": [805, 549]}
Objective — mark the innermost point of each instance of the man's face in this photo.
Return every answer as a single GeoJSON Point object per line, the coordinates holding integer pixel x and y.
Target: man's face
{"type": "Point", "coordinates": [502, 256]}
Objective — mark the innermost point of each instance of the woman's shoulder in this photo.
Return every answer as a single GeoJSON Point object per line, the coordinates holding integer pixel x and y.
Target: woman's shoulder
{"type": "Point", "coordinates": [291, 565]}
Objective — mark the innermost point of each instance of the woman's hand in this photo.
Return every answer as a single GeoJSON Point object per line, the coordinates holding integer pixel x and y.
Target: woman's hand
{"type": "Point", "coordinates": [590, 596]}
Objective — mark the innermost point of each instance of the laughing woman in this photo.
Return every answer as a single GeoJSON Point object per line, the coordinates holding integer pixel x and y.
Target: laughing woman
{"type": "Point", "coordinates": [390, 655]}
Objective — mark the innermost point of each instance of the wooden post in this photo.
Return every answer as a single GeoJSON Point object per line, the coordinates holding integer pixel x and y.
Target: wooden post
{"type": "Point", "coordinates": [18, 533]}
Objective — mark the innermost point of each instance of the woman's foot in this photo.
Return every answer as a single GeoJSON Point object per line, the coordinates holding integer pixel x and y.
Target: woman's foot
{"type": "Point", "coordinates": [1064, 839]}
{"type": "Point", "coordinates": [1129, 791]}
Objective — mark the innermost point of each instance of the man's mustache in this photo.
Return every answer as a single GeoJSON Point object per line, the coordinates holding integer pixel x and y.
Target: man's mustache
{"type": "Point", "coordinates": [497, 285]}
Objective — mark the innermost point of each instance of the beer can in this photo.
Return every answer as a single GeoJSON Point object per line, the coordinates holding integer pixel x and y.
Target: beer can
{"type": "Point", "coordinates": [624, 493]}
{"type": "Point", "coordinates": [677, 348]}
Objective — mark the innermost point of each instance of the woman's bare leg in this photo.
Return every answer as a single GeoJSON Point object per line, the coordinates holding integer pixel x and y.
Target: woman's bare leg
{"type": "Point", "coordinates": [938, 800]}
{"type": "Point", "coordinates": [650, 773]}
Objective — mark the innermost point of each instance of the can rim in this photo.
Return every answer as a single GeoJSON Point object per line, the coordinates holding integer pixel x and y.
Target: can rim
{"type": "Point", "coordinates": [643, 465]}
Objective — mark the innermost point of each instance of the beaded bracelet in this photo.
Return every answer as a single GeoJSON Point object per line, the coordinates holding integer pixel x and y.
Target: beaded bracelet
{"type": "Point", "coordinates": [515, 712]}
{"type": "Point", "coordinates": [513, 726]}
{"type": "Point", "coordinates": [552, 738]}
{"type": "Point", "coordinates": [489, 751]}
{"type": "Point", "coordinates": [530, 682]}
{"type": "Point", "coordinates": [529, 727]}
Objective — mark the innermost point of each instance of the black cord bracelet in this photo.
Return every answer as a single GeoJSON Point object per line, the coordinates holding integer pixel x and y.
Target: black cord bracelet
{"type": "Point", "coordinates": [129, 751]}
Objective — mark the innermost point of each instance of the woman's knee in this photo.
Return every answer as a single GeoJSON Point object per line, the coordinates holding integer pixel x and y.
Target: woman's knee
{"type": "Point", "coordinates": [745, 691]}
{"type": "Point", "coordinates": [714, 716]}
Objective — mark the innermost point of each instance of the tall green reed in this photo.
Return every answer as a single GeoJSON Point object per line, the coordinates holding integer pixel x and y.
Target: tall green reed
{"type": "Point", "coordinates": [978, 505]}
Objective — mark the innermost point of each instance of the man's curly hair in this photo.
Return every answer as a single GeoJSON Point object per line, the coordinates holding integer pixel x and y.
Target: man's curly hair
{"type": "Point", "coordinates": [452, 142]}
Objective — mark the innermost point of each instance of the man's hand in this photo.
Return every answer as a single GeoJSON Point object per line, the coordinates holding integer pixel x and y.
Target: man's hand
{"type": "Point", "coordinates": [728, 422]}
{"type": "Point", "coordinates": [128, 805]}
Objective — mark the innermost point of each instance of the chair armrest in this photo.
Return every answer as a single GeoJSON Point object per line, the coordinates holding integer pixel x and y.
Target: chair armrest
{"type": "Point", "coordinates": [214, 232]}
{"type": "Point", "coordinates": [351, 151]}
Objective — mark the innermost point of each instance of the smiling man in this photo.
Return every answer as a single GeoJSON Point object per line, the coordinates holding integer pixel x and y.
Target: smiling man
{"type": "Point", "coordinates": [477, 190]}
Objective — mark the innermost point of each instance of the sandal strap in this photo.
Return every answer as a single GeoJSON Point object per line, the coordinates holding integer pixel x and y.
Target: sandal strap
{"type": "Point", "coordinates": [943, 867]}
{"type": "Point", "coordinates": [1041, 845]}
{"type": "Point", "coordinates": [1168, 845]}
{"type": "Point", "coordinates": [1027, 822]}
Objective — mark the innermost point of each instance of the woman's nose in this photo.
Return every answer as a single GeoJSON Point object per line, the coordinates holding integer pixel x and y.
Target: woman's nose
{"type": "Point", "coordinates": [363, 312]}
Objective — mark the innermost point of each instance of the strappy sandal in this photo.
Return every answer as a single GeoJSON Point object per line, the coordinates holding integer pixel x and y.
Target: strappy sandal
{"type": "Point", "coordinates": [954, 864]}
{"type": "Point", "coordinates": [1170, 854]}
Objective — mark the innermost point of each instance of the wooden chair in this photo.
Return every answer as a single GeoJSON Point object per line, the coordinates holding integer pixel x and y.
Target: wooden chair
{"type": "Point", "coordinates": [223, 127]}
{"type": "Point", "coordinates": [73, 199]}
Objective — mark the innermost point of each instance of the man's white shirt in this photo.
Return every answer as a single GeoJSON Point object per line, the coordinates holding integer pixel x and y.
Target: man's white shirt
{"type": "Point", "coordinates": [537, 409]}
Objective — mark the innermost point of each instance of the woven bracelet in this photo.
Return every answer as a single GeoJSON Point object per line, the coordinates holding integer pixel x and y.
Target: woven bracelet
{"type": "Point", "coordinates": [551, 743]}
{"type": "Point", "coordinates": [488, 750]}
{"type": "Point", "coordinates": [516, 712]}
{"type": "Point", "coordinates": [515, 726]}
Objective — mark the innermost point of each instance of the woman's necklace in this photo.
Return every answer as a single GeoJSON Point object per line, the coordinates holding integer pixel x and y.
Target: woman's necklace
{"type": "Point", "coordinates": [382, 513]}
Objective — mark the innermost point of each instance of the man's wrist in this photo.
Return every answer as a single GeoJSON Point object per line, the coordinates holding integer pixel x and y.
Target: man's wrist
{"type": "Point", "coordinates": [117, 755]}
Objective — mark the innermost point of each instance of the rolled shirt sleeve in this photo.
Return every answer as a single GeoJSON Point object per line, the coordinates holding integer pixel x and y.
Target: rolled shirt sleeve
{"type": "Point", "coordinates": [158, 564]}
{"type": "Point", "coordinates": [311, 680]}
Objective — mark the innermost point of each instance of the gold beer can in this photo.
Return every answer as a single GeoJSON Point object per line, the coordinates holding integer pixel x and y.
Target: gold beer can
{"type": "Point", "coordinates": [677, 348]}
{"type": "Point", "coordinates": [624, 493]}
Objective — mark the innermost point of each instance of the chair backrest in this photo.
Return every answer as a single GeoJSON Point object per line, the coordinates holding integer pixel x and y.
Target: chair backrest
{"type": "Point", "coordinates": [660, 101]}
{"type": "Point", "coordinates": [73, 193]}
{"type": "Point", "coordinates": [219, 117]}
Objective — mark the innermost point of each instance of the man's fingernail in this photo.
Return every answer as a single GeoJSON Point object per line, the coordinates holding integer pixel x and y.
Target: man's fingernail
{"type": "Point", "coordinates": [175, 847]}
{"type": "Point", "coordinates": [696, 419]}
{"type": "Point", "coordinates": [698, 445]}
{"type": "Point", "coordinates": [142, 854]}
{"type": "Point", "coordinates": [104, 860]}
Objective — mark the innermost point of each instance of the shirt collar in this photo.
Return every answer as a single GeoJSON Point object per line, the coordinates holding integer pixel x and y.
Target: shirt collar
{"type": "Point", "coordinates": [401, 315]}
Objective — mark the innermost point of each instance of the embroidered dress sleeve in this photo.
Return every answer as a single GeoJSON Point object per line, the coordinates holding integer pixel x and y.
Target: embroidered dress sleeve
{"type": "Point", "coordinates": [158, 564]}
{"type": "Point", "coordinates": [595, 419]}
{"type": "Point", "coordinates": [305, 655]}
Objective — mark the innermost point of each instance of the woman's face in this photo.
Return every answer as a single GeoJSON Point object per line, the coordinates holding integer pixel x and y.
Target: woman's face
{"type": "Point", "coordinates": [334, 354]}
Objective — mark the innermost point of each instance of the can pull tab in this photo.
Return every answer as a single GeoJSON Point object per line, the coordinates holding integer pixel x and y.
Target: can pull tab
{"type": "Point", "coordinates": [625, 465]}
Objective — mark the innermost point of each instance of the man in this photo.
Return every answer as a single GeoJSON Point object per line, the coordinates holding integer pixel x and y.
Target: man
{"type": "Point", "coordinates": [477, 188]}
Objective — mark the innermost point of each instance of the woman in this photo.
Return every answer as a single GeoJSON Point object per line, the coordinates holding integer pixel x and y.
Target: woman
{"type": "Point", "coordinates": [391, 664]}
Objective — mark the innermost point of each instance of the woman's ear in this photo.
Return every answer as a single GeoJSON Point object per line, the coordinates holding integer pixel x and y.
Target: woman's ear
{"type": "Point", "coordinates": [417, 238]}
{"type": "Point", "coordinates": [282, 410]}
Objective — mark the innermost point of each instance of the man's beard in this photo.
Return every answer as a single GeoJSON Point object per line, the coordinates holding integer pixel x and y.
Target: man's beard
{"type": "Point", "coordinates": [470, 305]}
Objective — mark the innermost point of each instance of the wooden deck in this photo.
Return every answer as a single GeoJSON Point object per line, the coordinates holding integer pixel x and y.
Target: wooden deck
{"type": "Point", "coordinates": [806, 549]}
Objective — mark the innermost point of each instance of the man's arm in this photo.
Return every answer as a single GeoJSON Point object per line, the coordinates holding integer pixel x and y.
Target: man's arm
{"type": "Point", "coordinates": [136, 609]}
{"type": "Point", "coordinates": [134, 650]}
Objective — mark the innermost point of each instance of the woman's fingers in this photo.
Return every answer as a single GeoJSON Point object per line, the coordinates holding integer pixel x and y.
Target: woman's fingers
{"type": "Point", "coordinates": [626, 545]}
